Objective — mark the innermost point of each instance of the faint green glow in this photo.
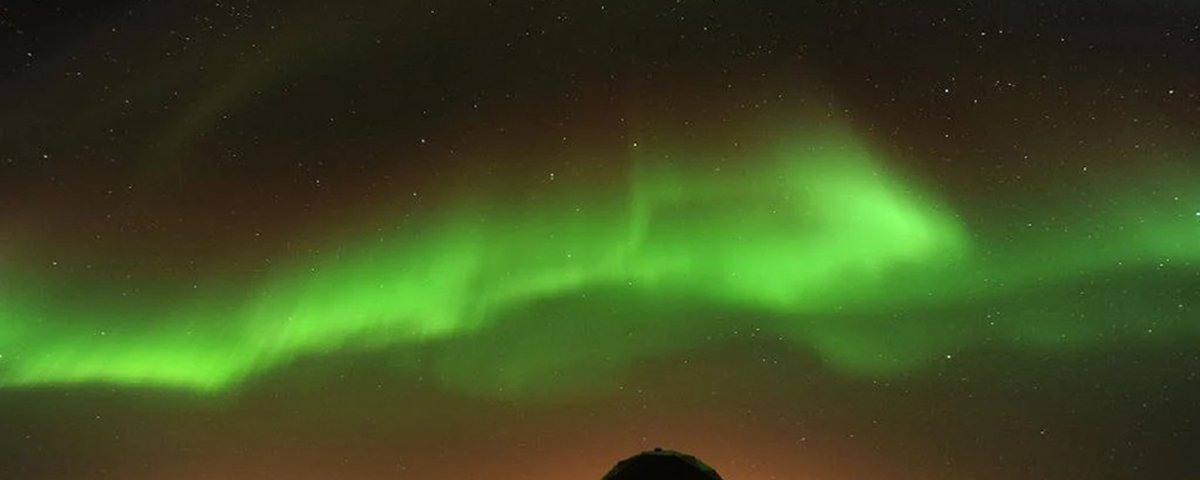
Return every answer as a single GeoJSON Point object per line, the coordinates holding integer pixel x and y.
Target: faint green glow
{"type": "Point", "coordinates": [818, 237]}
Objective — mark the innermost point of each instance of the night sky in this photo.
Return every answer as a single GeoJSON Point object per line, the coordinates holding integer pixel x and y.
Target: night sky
{"type": "Point", "coordinates": [524, 240]}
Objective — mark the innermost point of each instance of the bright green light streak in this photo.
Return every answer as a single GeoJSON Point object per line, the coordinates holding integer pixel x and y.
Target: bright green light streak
{"type": "Point", "coordinates": [812, 235]}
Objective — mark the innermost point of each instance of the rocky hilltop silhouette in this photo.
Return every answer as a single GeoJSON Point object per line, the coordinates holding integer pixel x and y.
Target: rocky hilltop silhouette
{"type": "Point", "coordinates": [659, 464]}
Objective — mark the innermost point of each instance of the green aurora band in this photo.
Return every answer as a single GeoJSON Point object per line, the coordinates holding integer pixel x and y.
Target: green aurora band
{"type": "Point", "coordinates": [815, 242]}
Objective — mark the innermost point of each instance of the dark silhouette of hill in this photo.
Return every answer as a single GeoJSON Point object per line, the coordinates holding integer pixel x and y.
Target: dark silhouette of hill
{"type": "Point", "coordinates": [659, 464]}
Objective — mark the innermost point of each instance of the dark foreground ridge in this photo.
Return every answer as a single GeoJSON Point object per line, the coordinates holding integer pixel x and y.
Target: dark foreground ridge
{"type": "Point", "coordinates": [659, 464]}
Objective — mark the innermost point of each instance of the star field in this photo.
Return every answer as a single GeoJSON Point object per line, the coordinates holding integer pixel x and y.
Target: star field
{"type": "Point", "coordinates": [799, 240]}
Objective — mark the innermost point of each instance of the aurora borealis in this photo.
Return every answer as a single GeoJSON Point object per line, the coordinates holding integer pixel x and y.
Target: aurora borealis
{"type": "Point", "coordinates": [814, 230]}
{"type": "Point", "coordinates": [348, 241]}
